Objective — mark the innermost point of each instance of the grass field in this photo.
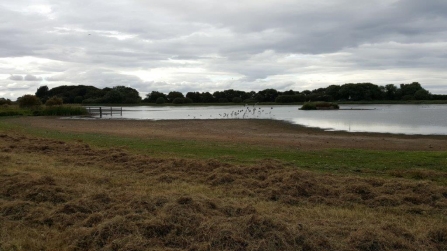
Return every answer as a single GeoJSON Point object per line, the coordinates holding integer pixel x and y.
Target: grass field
{"type": "Point", "coordinates": [210, 185]}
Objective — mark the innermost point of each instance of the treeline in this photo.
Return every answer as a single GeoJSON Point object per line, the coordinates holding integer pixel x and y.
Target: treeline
{"type": "Point", "coordinates": [81, 94]}
{"type": "Point", "coordinates": [348, 92]}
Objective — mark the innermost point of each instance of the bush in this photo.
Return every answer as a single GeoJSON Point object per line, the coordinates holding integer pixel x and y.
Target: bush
{"type": "Point", "coordinates": [320, 106]}
{"type": "Point", "coordinates": [309, 106]}
{"type": "Point", "coordinates": [54, 101]}
{"type": "Point", "coordinates": [10, 113]}
{"type": "Point", "coordinates": [4, 101]}
{"type": "Point", "coordinates": [61, 111]}
{"type": "Point", "coordinates": [29, 101]}
{"type": "Point", "coordinates": [160, 100]}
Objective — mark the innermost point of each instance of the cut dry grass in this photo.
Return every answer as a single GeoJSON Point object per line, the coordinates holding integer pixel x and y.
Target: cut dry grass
{"type": "Point", "coordinates": [57, 195]}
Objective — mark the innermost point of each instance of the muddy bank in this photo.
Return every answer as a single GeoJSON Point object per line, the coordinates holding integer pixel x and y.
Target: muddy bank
{"type": "Point", "coordinates": [255, 132]}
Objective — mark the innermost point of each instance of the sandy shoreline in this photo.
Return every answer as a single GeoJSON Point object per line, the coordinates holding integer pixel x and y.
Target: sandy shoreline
{"type": "Point", "coordinates": [253, 132]}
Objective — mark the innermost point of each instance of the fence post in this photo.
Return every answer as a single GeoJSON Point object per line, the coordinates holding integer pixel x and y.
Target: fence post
{"type": "Point", "coordinates": [100, 112]}
{"type": "Point", "coordinates": [111, 111]}
{"type": "Point", "coordinates": [121, 111]}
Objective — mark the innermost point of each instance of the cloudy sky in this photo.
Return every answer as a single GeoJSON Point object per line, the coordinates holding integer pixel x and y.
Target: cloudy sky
{"type": "Point", "coordinates": [210, 45]}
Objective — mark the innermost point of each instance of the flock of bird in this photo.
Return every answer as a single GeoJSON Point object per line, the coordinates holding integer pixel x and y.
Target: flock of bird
{"type": "Point", "coordinates": [246, 113]}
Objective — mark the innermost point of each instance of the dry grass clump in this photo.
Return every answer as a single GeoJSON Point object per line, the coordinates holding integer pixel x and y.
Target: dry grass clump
{"type": "Point", "coordinates": [60, 196]}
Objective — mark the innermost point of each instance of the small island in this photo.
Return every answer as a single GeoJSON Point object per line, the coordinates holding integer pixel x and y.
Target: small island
{"type": "Point", "coordinates": [320, 106]}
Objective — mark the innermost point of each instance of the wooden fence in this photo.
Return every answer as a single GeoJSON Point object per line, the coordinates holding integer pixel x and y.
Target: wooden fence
{"type": "Point", "coordinates": [104, 111]}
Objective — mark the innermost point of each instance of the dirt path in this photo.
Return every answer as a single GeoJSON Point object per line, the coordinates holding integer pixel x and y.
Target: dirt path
{"type": "Point", "coordinates": [255, 132]}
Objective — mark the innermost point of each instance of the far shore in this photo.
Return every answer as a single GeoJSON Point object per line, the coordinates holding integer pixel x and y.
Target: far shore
{"type": "Point", "coordinates": [376, 102]}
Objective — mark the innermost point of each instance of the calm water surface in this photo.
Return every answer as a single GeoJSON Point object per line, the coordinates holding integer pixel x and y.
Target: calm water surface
{"type": "Point", "coordinates": [404, 119]}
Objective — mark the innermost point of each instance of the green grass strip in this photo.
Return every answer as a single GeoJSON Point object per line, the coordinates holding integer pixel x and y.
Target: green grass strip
{"type": "Point", "coordinates": [341, 161]}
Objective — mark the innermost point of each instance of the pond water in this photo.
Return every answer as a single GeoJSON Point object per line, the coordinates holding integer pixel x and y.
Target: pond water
{"type": "Point", "coordinates": [402, 119]}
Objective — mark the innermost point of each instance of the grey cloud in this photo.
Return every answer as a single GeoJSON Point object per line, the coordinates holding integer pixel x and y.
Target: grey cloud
{"type": "Point", "coordinates": [247, 39]}
{"type": "Point", "coordinates": [16, 77]}
{"type": "Point", "coordinates": [29, 77]}
{"type": "Point", "coordinates": [54, 79]}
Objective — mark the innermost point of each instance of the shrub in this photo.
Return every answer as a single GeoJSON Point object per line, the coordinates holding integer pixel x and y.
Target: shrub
{"type": "Point", "coordinates": [160, 100]}
{"type": "Point", "coordinates": [54, 101]}
{"type": "Point", "coordinates": [10, 113]}
{"type": "Point", "coordinates": [29, 101]}
{"type": "Point", "coordinates": [320, 106]}
{"type": "Point", "coordinates": [4, 101]}
{"type": "Point", "coordinates": [61, 111]}
{"type": "Point", "coordinates": [309, 106]}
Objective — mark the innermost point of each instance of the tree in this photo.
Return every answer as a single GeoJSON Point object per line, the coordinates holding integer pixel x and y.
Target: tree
{"type": "Point", "coordinates": [259, 97]}
{"type": "Point", "coordinates": [237, 100]}
{"type": "Point", "coordinates": [173, 95]}
{"type": "Point", "coordinates": [333, 90]}
{"type": "Point", "coordinates": [228, 95]}
{"type": "Point", "coordinates": [180, 100]}
{"type": "Point", "coordinates": [42, 93]}
{"type": "Point", "coordinates": [422, 95]}
{"type": "Point", "coordinates": [306, 92]}
{"type": "Point", "coordinates": [414, 91]}
{"type": "Point", "coordinates": [113, 97]}
{"type": "Point", "coordinates": [129, 95]}
{"type": "Point", "coordinates": [290, 92]}
{"type": "Point", "coordinates": [29, 101]}
{"type": "Point", "coordinates": [390, 92]}
{"type": "Point", "coordinates": [218, 95]}
{"type": "Point", "coordinates": [410, 89]}
{"type": "Point", "coordinates": [160, 100]}
{"type": "Point", "coordinates": [269, 95]}
{"type": "Point", "coordinates": [70, 94]}
{"type": "Point", "coordinates": [154, 96]}
{"type": "Point", "coordinates": [196, 97]}
{"type": "Point", "coordinates": [207, 97]}
{"type": "Point", "coordinates": [290, 98]}
{"type": "Point", "coordinates": [78, 100]}
{"type": "Point", "coordinates": [360, 91]}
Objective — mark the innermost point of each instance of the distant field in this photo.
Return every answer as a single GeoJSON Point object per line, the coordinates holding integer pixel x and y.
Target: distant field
{"type": "Point", "coordinates": [217, 185]}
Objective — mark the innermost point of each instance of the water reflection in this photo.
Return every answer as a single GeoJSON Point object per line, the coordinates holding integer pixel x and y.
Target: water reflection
{"type": "Point", "coordinates": [405, 119]}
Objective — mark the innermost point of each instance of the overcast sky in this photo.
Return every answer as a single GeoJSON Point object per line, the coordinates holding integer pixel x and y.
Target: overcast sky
{"type": "Point", "coordinates": [210, 45]}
